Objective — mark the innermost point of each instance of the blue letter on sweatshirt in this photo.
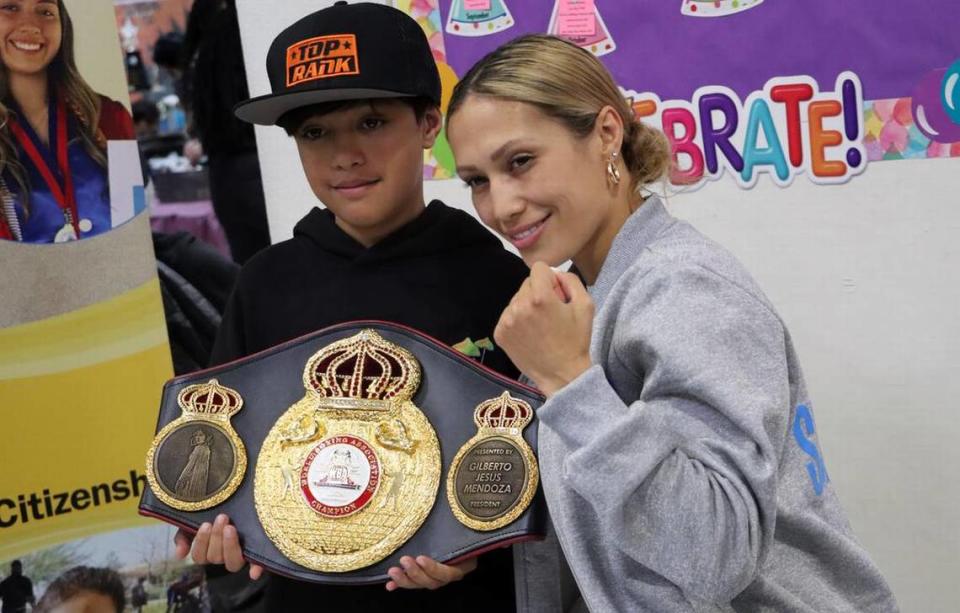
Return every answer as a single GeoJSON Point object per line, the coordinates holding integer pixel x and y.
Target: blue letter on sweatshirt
{"type": "Point", "coordinates": [802, 431]}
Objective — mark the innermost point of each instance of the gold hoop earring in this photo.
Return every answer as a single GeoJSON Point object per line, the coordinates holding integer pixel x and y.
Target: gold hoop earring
{"type": "Point", "coordinates": [613, 173]}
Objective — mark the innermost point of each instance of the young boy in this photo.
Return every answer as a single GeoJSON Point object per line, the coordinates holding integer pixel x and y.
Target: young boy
{"type": "Point", "coordinates": [84, 588]}
{"type": "Point", "coordinates": [356, 86]}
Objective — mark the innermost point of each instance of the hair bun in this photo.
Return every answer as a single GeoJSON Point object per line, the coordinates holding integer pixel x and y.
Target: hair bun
{"type": "Point", "coordinates": [646, 153]}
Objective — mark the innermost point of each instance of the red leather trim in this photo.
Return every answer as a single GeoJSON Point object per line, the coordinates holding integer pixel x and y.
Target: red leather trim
{"type": "Point", "coordinates": [494, 546]}
{"type": "Point", "coordinates": [168, 520]}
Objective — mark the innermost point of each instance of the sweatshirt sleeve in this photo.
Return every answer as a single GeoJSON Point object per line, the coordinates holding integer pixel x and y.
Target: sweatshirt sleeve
{"type": "Point", "coordinates": [674, 440]}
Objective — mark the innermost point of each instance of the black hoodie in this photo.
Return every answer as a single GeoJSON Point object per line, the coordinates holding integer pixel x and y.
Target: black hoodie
{"type": "Point", "coordinates": [443, 274]}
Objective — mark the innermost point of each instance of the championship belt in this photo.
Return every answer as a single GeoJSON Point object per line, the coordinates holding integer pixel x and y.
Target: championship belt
{"type": "Point", "coordinates": [339, 452]}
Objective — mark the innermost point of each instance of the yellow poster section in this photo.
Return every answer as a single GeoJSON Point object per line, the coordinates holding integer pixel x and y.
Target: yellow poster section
{"type": "Point", "coordinates": [78, 397]}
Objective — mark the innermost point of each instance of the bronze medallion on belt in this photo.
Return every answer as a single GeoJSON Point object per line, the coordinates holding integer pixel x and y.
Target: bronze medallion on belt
{"type": "Point", "coordinates": [197, 461]}
{"type": "Point", "coordinates": [494, 476]}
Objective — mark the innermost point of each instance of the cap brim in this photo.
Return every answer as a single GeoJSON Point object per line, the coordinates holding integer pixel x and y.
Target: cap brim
{"type": "Point", "coordinates": [266, 110]}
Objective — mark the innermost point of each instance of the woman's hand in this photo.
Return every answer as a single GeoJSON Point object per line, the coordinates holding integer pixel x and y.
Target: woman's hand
{"type": "Point", "coordinates": [546, 328]}
{"type": "Point", "coordinates": [426, 573]}
{"type": "Point", "coordinates": [216, 543]}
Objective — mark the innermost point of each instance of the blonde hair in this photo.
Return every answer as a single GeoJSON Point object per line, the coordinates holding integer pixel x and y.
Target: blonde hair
{"type": "Point", "coordinates": [571, 85]}
{"type": "Point", "coordinates": [82, 101]}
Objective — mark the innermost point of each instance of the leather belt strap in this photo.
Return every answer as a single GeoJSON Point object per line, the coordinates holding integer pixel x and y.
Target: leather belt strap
{"type": "Point", "coordinates": [316, 437]}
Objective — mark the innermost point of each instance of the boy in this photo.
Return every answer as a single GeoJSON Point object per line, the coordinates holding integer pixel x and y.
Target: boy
{"type": "Point", "coordinates": [356, 86]}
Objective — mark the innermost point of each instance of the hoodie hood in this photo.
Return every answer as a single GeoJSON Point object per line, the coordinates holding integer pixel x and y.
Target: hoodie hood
{"type": "Point", "coordinates": [443, 274]}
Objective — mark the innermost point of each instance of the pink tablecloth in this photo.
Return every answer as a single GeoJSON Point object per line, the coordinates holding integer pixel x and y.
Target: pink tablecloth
{"type": "Point", "coordinates": [197, 218]}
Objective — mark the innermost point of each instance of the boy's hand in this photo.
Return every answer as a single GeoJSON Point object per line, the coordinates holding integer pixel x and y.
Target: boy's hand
{"type": "Point", "coordinates": [546, 328]}
{"type": "Point", "coordinates": [218, 543]}
{"type": "Point", "coordinates": [424, 572]}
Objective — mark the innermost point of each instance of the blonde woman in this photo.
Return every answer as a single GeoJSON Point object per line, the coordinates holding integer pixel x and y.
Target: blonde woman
{"type": "Point", "coordinates": [53, 130]}
{"type": "Point", "coordinates": [680, 461]}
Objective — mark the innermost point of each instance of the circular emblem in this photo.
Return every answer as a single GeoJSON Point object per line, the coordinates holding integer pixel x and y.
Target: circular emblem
{"type": "Point", "coordinates": [494, 476]}
{"type": "Point", "coordinates": [340, 476]}
{"type": "Point", "coordinates": [349, 472]}
{"type": "Point", "coordinates": [490, 479]}
{"type": "Point", "coordinates": [197, 461]}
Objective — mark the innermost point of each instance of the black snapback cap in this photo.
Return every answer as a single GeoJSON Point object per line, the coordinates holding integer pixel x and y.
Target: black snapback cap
{"type": "Point", "coordinates": [345, 52]}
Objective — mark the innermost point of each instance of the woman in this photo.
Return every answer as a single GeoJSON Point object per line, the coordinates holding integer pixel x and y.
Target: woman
{"type": "Point", "coordinates": [53, 130]}
{"type": "Point", "coordinates": [677, 447]}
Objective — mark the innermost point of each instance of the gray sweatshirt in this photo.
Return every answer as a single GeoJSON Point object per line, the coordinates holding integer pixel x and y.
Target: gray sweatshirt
{"type": "Point", "coordinates": [683, 471]}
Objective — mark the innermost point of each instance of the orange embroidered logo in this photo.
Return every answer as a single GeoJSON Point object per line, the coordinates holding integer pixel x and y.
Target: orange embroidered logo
{"type": "Point", "coordinates": [322, 57]}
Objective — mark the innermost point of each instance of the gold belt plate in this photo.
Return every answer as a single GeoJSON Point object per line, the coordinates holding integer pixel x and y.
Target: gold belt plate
{"type": "Point", "coordinates": [349, 472]}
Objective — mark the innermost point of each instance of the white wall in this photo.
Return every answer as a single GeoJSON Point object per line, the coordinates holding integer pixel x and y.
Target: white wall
{"type": "Point", "coordinates": [97, 47]}
{"type": "Point", "coordinates": [285, 188]}
{"type": "Point", "coordinates": [864, 275]}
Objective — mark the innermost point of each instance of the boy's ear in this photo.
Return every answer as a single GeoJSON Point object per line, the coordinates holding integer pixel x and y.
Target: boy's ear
{"type": "Point", "coordinates": [430, 126]}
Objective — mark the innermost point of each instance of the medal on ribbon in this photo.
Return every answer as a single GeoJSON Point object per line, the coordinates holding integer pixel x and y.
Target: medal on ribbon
{"type": "Point", "coordinates": [197, 461]}
{"type": "Point", "coordinates": [494, 476]}
{"type": "Point", "coordinates": [60, 188]}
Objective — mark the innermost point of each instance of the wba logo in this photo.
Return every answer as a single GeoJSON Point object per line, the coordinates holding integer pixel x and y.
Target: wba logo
{"type": "Point", "coordinates": [322, 57]}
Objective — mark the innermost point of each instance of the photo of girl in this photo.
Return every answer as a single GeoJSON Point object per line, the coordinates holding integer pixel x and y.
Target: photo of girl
{"type": "Point", "coordinates": [54, 130]}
